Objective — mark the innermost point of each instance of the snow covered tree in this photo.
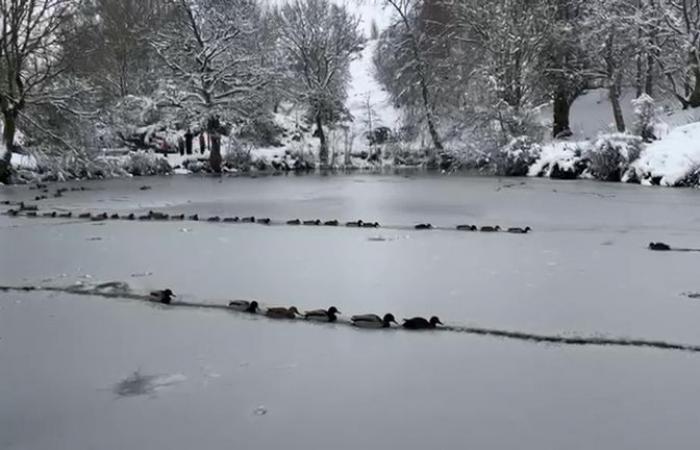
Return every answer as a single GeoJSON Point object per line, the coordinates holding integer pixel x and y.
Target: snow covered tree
{"type": "Point", "coordinates": [320, 40]}
{"type": "Point", "coordinates": [216, 72]}
{"type": "Point", "coordinates": [409, 54]}
{"type": "Point", "coordinates": [564, 60]}
{"type": "Point", "coordinates": [31, 33]}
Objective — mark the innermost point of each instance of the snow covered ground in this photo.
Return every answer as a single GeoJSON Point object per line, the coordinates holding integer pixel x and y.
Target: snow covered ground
{"type": "Point", "coordinates": [86, 372]}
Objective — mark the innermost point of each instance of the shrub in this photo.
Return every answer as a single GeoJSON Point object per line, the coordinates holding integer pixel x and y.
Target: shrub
{"type": "Point", "coordinates": [147, 163]}
{"type": "Point", "coordinates": [610, 156]}
{"type": "Point", "coordinates": [515, 159]}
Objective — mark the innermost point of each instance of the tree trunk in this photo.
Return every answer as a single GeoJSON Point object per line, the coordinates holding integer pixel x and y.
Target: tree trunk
{"type": "Point", "coordinates": [215, 154]}
{"type": "Point", "coordinates": [694, 99]}
{"type": "Point", "coordinates": [189, 138]}
{"type": "Point", "coordinates": [562, 108]}
{"type": "Point", "coordinates": [649, 82]}
{"type": "Point", "coordinates": [614, 94]}
{"type": "Point", "coordinates": [8, 138]}
{"type": "Point", "coordinates": [323, 152]}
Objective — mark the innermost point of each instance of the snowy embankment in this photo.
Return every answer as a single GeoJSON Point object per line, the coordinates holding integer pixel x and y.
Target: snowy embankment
{"type": "Point", "coordinates": [673, 159]}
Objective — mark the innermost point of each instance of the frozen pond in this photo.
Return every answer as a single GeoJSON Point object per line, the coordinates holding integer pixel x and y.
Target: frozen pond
{"type": "Point", "coordinates": [85, 372]}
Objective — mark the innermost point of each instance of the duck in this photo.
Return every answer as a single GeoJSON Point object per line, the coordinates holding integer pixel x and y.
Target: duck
{"type": "Point", "coordinates": [99, 217]}
{"type": "Point", "coordinates": [144, 188]}
{"type": "Point", "coordinates": [659, 246]}
{"type": "Point", "coordinates": [354, 224]}
{"type": "Point", "coordinates": [423, 226]}
{"type": "Point", "coordinates": [86, 215]}
{"type": "Point", "coordinates": [370, 224]}
{"type": "Point", "coordinates": [312, 222]}
{"type": "Point", "coordinates": [264, 221]}
{"type": "Point", "coordinates": [373, 321]}
{"type": "Point", "coordinates": [51, 214]}
{"type": "Point", "coordinates": [231, 219]}
{"type": "Point", "coordinates": [490, 229]}
{"type": "Point", "coordinates": [177, 217]}
{"type": "Point", "coordinates": [12, 212]}
{"type": "Point", "coordinates": [244, 306]}
{"type": "Point", "coordinates": [146, 217]}
{"type": "Point", "coordinates": [131, 216]}
{"type": "Point", "coordinates": [58, 194]}
{"type": "Point", "coordinates": [331, 223]}
{"type": "Point", "coordinates": [250, 219]}
{"type": "Point", "coordinates": [419, 323]}
{"type": "Point", "coordinates": [214, 219]}
{"type": "Point", "coordinates": [322, 315]}
{"type": "Point", "coordinates": [159, 215]}
{"type": "Point", "coordinates": [32, 214]}
{"type": "Point", "coordinates": [467, 228]}
{"type": "Point", "coordinates": [164, 296]}
{"type": "Point", "coordinates": [194, 217]}
{"type": "Point", "coordinates": [518, 230]}
{"type": "Point", "coordinates": [24, 207]}
{"type": "Point", "coordinates": [282, 312]}
{"type": "Point", "coordinates": [66, 215]}
{"type": "Point", "coordinates": [294, 222]}
{"type": "Point", "coordinates": [114, 216]}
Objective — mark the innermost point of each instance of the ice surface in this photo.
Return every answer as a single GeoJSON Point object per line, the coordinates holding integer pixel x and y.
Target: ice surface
{"type": "Point", "coordinates": [205, 374]}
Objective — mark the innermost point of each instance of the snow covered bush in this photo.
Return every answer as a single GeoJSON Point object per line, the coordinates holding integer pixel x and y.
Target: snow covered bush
{"type": "Point", "coordinates": [515, 159]}
{"type": "Point", "coordinates": [561, 160]}
{"type": "Point", "coordinates": [645, 117]}
{"type": "Point", "coordinates": [147, 163]}
{"type": "Point", "coordinates": [610, 156]}
{"type": "Point", "coordinates": [673, 160]}
{"type": "Point", "coordinates": [238, 156]}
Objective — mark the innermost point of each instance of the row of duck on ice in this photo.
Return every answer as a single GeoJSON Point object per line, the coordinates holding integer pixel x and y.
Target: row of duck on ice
{"type": "Point", "coordinates": [318, 315]}
{"type": "Point", "coordinates": [32, 211]}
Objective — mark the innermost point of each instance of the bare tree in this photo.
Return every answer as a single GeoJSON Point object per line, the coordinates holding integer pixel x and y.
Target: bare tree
{"type": "Point", "coordinates": [30, 57]}
{"type": "Point", "coordinates": [320, 39]}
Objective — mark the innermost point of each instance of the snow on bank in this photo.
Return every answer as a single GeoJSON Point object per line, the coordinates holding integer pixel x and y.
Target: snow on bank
{"type": "Point", "coordinates": [22, 161]}
{"type": "Point", "coordinates": [558, 155]}
{"type": "Point", "coordinates": [673, 158]}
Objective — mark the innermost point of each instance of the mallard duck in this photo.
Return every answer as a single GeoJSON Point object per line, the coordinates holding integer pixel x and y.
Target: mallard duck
{"type": "Point", "coordinates": [114, 216]}
{"type": "Point", "coordinates": [32, 214]}
{"type": "Point", "coordinates": [131, 216]}
{"type": "Point", "coordinates": [244, 306]}
{"type": "Point", "coordinates": [231, 219]}
{"type": "Point", "coordinates": [322, 315]}
{"type": "Point", "coordinates": [373, 321]}
{"type": "Point", "coordinates": [466, 227]}
{"type": "Point", "coordinates": [24, 207]}
{"type": "Point", "coordinates": [354, 224]}
{"type": "Point", "coordinates": [250, 219]}
{"type": "Point", "coordinates": [370, 224]}
{"type": "Point", "coordinates": [264, 221]}
{"type": "Point", "coordinates": [194, 217]}
{"type": "Point", "coordinates": [86, 215]}
{"type": "Point", "coordinates": [659, 246]}
{"type": "Point", "coordinates": [164, 296]}
{"type": "Point", "coordinates": [214, 219]}
{"type": "Point", "coordinates": [294, 222]}
{"type": "Point", "coordinates": [490, 229]}
{"type": "Point", "coordinates": [99, 217]}
{"type": "Point", "coordinates": [312, 222]}
{"type": "Point", "coordinates": [13, 212]}
{"type": "Point", "coordinates": [177, 217]}
{"type": "Point", "coordinates": [423, 226]}
{"type": "Point", "coordinates": [159, 216]}
{"type": "Point", "coordinates": [66, 215]}
{"type": "Point", "coordinates": [282, 313]}
{"type": "Point", "coordinates": [518, 230]}
{"type": "Point", "coordinates": [51, 214]}
{"type": "Point", "coordinates": [419, 323]}
{"type": "Point", "coordinates": [144, 188]}
{"type": "Point", "coordinates": [331, 223]}
{"type": "Point", "coordinates": [145, 217]}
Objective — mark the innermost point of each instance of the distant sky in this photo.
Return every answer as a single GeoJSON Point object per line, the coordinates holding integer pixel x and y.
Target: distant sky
{"type": "Point", "coordinates": [365, 9]}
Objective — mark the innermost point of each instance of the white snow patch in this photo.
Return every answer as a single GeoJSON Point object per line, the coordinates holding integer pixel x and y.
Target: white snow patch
{"type": "Point", "coordinates": [673, 157]}
{"type": "Point", "coordinates": [564, 154]}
